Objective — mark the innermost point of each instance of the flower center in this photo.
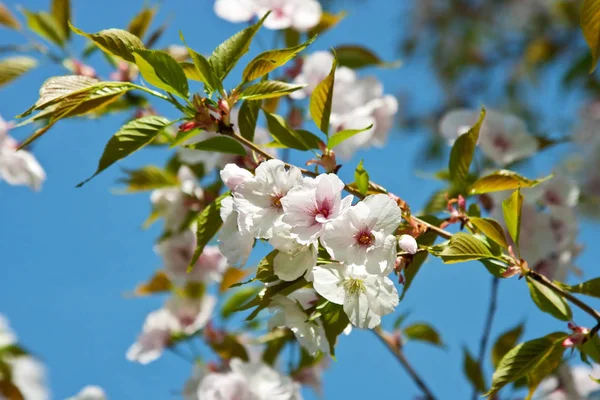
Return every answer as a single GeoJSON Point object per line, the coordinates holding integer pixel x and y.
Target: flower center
{"type": "Point", "coordinates": [552, 198]}
{"type": "Point", "coordinates": [501, 143]}
{"type": "Point", "coordinates": [364, 238]}
{"type": "Point", "coordinates": [354, 286]}
{"type": "Point", "coordinates": [276, 200]}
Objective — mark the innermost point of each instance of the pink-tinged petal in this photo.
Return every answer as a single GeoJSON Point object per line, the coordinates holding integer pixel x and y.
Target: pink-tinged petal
{"type": "Point", "coordinates": [235, 10]}
{"type": "Point", "coordinates": [408, 244]}
{"type": "Point", "coordinates": [232, 176]}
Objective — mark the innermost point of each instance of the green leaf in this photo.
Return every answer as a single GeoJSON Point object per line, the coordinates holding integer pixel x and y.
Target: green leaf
{"type": "Point", "coordinates": [238, 299]}
{"type": "Point", "coordinates": [141, 22]}
{"type": "Point", "coordinates": [462, 247]}
{"type": "Point", "coordinates": [327, 22]}
{"type": "Point", "coordinates": [229, 347]}
{"type": "Point", "coordinates": [505, 342]}
{"type": "Point", "coordinates": [356, 57]}
{"type": "Point", "coordinates": [503, 180]}
{"type": "Point", "coordinates": [131, 137]}
{"type": "Point", "coordinates": [591, 348]}
{"type": "Point", "coordinates": [228, 53]}
{"type": "Point", "coordinates": [208, 224]}
{"type": "Point", "coordinates": [546, 367]}
{"type": "Point", "coordinates": [361, 177]}
{"type": "Point", "coordinates": [247, 117]}
{"type": "Point", "coordinates": [264, 270]}
{"type": "Point", "coordinates": [46, 26]}
{"type": "Point", "coordinates": [190, 71]}
{"type": "Point", "coordinates": [590, 25]}
{"type": "Point", "coordinates": [282, 133]}
{"type": "Point", "coordinates": [163, 71]}
{"type": "Point", "coordinates": [270, 60]}
{"type": "Point", "coordinates": [462, 153]}
{"type": "Point", "coordinates": [268, 90]}
{"type": "Point", "coordinates": [490, 228]}
{"type": "Point", "coordinates": [494, 267]}
{"type": "Point", "coordinates": [423, 332]}
{"type": "Point", "coordinates": [339, 137]}
{"type": "Point", "coordinates": [523, 359]}
{"type": "Point", "coordinates": [548, 301]}
{"type": "Point", "coordinates": [334, 321]}
{"type": "Point", "coordinates": [588, 288]}
{"type": "Point", "coordinates": [425, 240]}
{"type": "Point", "coordinates": [321, 100]}
{"type": "Point", "coordinates": [400, 319]}
{"type": "Point", "coordinates": [61, 11]}
{"type": "Point", "coordinates": [148, 178]}
{"type": "Point", "coordinates": [13, 67]}
{"type": "Point", "coordinates": [204, 71]}
{"type": "Point", "coordinates": [473, 371]}
{"type": "Point", "coordinates": [511, 208]}
{"type": "Point", "coordinates": [7, 19]}
{"type": "Point", "coordinates": [275, 345]}
{"type": "Point", "coordinates": [219, 144]}
{"type": "Point", "coordinates": [116, 42]}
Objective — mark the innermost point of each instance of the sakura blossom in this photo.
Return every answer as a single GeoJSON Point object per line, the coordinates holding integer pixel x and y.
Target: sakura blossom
{"type": "Point", "coordinates": [155, 337]}
{"type": "Point", "coordinates": [408, 244]}
{"type": "Point", "coordinates": [18, 167]}
{"type": "Point", "coordinates": [298, 14]}
{"type": "Point", "coordinates": [90, 392]}
{"type": "Point", "coordinates": [293, 259]}
{"type": "Point", "coordinates": [7, 336]}
{"type": "Point", "coordinates": [29, 376]}
{"type": "Point", "coordinates": [312, 204]}
{"type": "Point", "coordinates": [550, 388]}
{"type": "Point", "coordinates": [365, 235]}
{"type": "Point", "coordinates": [560, 191]}
{"type": "Point", "coordinates": [235, 240]}
{"type": "Point", "coordinates": [248, 381]}
{"type": "Point", "coordinates": [192, 314]}
{"type": "Point", "coordinates": [364, 296]}
{"type": "Point", "coordinates": [503, 138]}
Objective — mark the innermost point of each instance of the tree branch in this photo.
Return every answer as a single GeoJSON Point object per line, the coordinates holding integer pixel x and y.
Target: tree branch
{"type": "Point", "coordinates": [405, 364]}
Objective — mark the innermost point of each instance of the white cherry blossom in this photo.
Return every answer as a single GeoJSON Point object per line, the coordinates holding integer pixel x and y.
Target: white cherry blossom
{"type": "Point", "coordinates": [312, 204]}
{"type": "Point", "coordinates": [364, 296]}
{"type": "Point", "coordinates": [293, 259]}
{"type": "Point", "coordinates": [408, 244]}
{"type": "Point", "coordinates": [90, 392]}
{"type": "Point", "coordinates": [259, 200]}
{"type": "Point", "coordinates": [560, 191]}
{"type": "Point", "coordinates": [364, 235]}
{"type": "Point", "coordinates": [192, 314]}
{"type": "Point", "coordinates": [235, 241]}
{"type": "Point", "coordinates": [155, 336]}
{"type": "Point", "coordinates": [248, 381]}
{"type": "Point", "coordinates": [29, 376]}
{"type": "Point", "coordinates": [7, 336]}
{"type": "Point", "coordinates": [298, 14]}
{"type": "Point", "coordinates": [550, 389]}
{"type": "Point", "coordinates": [18, 167]}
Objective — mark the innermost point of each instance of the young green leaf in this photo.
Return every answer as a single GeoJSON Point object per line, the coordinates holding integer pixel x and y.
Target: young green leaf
{"type": "Point", "coordinates": [424, 333]}
{"type": "Point", "coordinates": [247, 117]}
{"type": "Point", "coordinates": [268, 90]}
{"type": "Point", "coordinates": [356, 57]}
{"type": "Point", "coordinates": [341, 136]}
{"type": "Point", "coordinates": [116, 42]}
{"type": "Point", "coordinates": [321, 100]}
{"type": "Point", "coordinates": [147, 178]}
{"type": "Point", "coordinates": [190, 71]}
{"type": "Point", "coordinates": [490, 228]}
{"type": "Point", "coordinates": [590, 24]}
{"type": "Point", "coordinates": [208, 224]}
{"type": "Point", "coordinates": [220, 144]}
{"type": "Point", "coordinates": [473, 371]}
{"type": "Point", "coordinates": [334, 321]}
{"type": "Point", "coordinates": [588, 288]}
{"type": "Point", "coordinates": [547, 366]}
{"type": "Point", "coordinates": [300, 140]}
{"type": "Point", "coordinates": [327, 22]}
{"type": "Point", "coordinates": [462, 247]}
{"type": "Point", "coordinates": [548, 301]}
{"type": "Point", "coordinates": [523, 359]}
{"type": "Point", "coordinates": [505, 342]}
{"type": "Point", "coordinates": [163, 71]}
{"type": "Point", "coordinates": [61, 11]}
{"type": "Point", "coordinates": [7, 19]}
{"type": "Point", "coordinates": [131, 137]}
{"type": "Point", "coordinates": [13, 67]}
{"type": "Point", "coordinates": [45, 25]}
{"type": "Point", "coordinates": [504, 180]}
{"type": "Point", "coordinates": [591, 348]}
{"type": "Point", "coordinates": [511, 208]}
{"type": "Point", "coordinates": [361, 177]}
{"type": "Point", "coordinates": [400, 319]}
{"type": "Point", "coordinates": [270, 60]}
{"type": "Point", "coordinates": [238, 299]}
{"type": "Point", "coordinates": [204, 71]}
{"type": "Point", "coordinates": [141, 22]}
{"type": "Point", "coordinates": [462, 153]}
{"type": "Point", "coordinates": [228, 53]}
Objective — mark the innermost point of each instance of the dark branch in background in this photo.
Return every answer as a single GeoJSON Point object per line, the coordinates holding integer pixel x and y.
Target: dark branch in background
{"type": "Point", "coordinates": [487, 328]}
{"type": "Point", "coordinates": [397, 352]}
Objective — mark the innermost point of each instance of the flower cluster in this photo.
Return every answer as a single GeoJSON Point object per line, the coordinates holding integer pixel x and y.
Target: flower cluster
{"type": "Point", "coordinates": [301, 215]}
{"type": "Point", "coordinates": [358, 102]}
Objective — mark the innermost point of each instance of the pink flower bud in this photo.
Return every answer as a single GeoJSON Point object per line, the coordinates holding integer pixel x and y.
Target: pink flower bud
{"type": "Point", "coordinates": [577, 337]}
{"type": "Point", "coordinates": [187, 126]}
{"type": "Point", "coordinates": [511, 271]}
{"type": "Point", "coordinates": [408, 244]}
{"type": "Point", "coordinates": [462, 203]}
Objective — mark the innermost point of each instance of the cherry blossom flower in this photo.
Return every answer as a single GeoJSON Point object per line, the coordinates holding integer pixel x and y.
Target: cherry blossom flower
{"type": "Point", "coordinates": [192, 314]}
{"type": "Point", "coordinates": [503, 138]}
{"type": "Point", "coordinates": [235, 241]}
{"type": "Point", "coordinates": [301, 15]}
{"type": "Point", "coordinates": [312, 204]}
{"type": "Point", "coordinates": [364, 235]}
{"type": "Point", "coordinates": [174, 204]}
{"type": "Point", "coordinates": [7, 336]}
{"type": "Point", "coordinates": [29, 376]}
{"type": "Point", "coordinates": [293, 259]}
{"type": "Point", "coordinates": [577, 337]}
{"type": "Point", "coordinates": [550, 388]}
{"type": "Point", "coordinates": [364, 296]}
{"type": "Point", "coordinates": [90, 392]}
{"type": "Point", "coordinates": [232, 176]}
{"type": "Point", "coordinates": [155, 336]}
{"type": "Point", "coordinates": [313, 375]}
{"type": "Point", "coordinates": [287, 312]}
{"type": "Point", "coordinates": [177, 251]}
{"type": "Point", "coordinates": [248, 381]}
{"type": "Point", "coordinates": [560, 191]}
{"type": "Point", "coordinates": [18, 167]}
{"type": "Point", "coordinates": [259, 200]}
{"type": "Point", "coordinates": [408, 244]}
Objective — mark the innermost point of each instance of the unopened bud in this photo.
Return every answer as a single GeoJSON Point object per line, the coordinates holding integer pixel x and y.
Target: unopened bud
{"type": "Point", "coordinates": [187, 126]}
{"type": "Point", "coordinates": [511, 271]}
{"type": "Point", "coordinates": [408, 244]}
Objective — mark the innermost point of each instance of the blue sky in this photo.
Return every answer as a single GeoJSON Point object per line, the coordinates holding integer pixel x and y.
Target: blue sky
{"type": "Point", "coordinates": [69, 255]}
